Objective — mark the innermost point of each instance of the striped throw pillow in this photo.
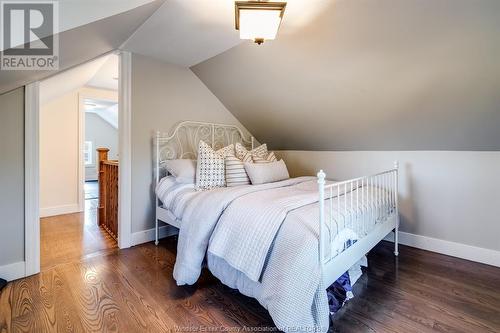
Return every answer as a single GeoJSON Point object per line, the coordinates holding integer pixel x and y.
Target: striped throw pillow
{"type": "Point", "coordinates": [235, 172]}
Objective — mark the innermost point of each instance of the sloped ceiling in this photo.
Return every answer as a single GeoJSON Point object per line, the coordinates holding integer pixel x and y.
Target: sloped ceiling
{"type": "Point", "coordinates": [371, 75]}
{"type": "Point", "coordinates": [106, 110]}
{"type": "Point", "coordinates": [186, 32]}
{"type": "Point", "coordinates": [67, 81]}
{"type": "Point", "coordinates": [107, 75]}
{"type": "Point", "coordinates": [75, 13]}
{"type": "Point", "coordinates": [87, 42]}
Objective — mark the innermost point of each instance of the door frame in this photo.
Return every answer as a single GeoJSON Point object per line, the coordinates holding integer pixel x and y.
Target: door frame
{"type": "Point", "coordinates": [32, 165]}
{"type": "Point", "coordinates": [31, 179]}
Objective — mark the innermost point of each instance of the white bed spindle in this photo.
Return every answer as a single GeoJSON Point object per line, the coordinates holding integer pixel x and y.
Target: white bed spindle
{"type": "Point", "coordinates": [372, 214]}
{"type": "Point", "coordinates": [322, 233]}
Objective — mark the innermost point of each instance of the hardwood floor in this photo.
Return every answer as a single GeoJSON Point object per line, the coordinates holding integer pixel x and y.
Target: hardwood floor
{"type": "Point", "coordinates": [70, 237]}
{"type": "Point", "coordinates": [133, 291]}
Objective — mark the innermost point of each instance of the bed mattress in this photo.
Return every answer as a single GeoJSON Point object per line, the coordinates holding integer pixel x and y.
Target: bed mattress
{"type": "Point", "coordinates": [174, 195]}
{"type": "Point", "coordinates": [262, 240]}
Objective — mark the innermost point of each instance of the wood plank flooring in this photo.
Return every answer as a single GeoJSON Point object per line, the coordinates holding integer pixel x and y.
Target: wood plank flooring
{"type": "Point", "coordinates": [133, 291]}
{"type": "Point", "coordinates": [70, 237]}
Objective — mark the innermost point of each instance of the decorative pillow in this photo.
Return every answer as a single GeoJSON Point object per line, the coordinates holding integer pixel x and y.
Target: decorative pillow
{"type": "Point", "coordinates": [235, 172]}
{"type": "Point", "coordinates": [183, 170]}
{"type": "Point", "coordinates": [210, 167]}
{"type": "Point", "coordinates": [265, 159]}
{"type": "Point", "coordinates": [246, 156]}
{"type": "Point", "coordinates": [261, 173]}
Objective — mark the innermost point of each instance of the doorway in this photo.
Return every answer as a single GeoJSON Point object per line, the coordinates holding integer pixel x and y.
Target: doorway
{"type": "Point", "coordinates": [78, 114]}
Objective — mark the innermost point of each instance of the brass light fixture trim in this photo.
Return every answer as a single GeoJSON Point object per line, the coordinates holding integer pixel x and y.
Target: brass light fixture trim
{"type": "Point", "coordinates": [257, 5]}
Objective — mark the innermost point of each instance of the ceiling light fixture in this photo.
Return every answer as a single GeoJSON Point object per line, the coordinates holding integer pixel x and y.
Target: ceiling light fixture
{"type": "Point", "coordinates": [258, 20]}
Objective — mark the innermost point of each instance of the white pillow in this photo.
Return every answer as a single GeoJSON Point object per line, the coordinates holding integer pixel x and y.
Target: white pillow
{"type": "Point", "coordinates": [210, 167]}
{"type": "Point", "coordinates": [261, 173]}
{"type": "Point", "coordinates": [183, 170]}
{"type": "Point", "coordinates": [235, 172]}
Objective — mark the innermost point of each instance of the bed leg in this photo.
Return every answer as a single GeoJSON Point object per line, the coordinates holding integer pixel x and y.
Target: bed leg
{"type": "Point", "coordinates": [396, 240]}
{"type": "Point", "coordinates": [396, 205]}
{"type": "Point", "coordinates": [156, 230]}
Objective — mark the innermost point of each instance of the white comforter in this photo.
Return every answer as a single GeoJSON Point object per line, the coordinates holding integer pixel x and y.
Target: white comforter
{"type": "Point", "coordinates": [260, 239]}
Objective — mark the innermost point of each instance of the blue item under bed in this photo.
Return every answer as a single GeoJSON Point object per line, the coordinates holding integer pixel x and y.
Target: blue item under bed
{"type": "Point", "coordinates": [339, 293]}
{"type": "Point", "coordinates": [341, 290]}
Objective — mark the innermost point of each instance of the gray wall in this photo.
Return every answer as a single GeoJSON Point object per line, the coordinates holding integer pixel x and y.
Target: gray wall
{"type": "Point", "coordinates": [371, 75]}
{"type": "Point", "coordinates": [162, 95]}
{"type": "Point", "coordinates": [368, 82]}
{"type": "Point", "coordinates": [448, 195]}
{"type": "Point", "coordinates": [12, 177]}
{"type": "Point", "coordinates": [102, 135]}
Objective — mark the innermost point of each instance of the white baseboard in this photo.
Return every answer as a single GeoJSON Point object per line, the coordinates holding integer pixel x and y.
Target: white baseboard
{"type": "Point", "coordinates": [13, 271]}
{"type": "Point", "coordinates": [59, 210]}
{"type": "Point", "coordinates": [463, 251]}
{"type": "Point", "coordinates": [145, 236]}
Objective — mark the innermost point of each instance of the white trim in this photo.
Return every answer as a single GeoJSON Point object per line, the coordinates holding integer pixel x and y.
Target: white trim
{"type": "Point", "coordinates": [31, 180]}
{"type": "Point", "coordinates": [59, 210]}
{"type": "Point", "coordinates": [32, 165]}
{"type": "Point", "coordinates": [145, 236]}
{"type": "Point", "coordinates": [463, 251]}
{"type": "Point", "coordinates": [125, 151]}
{"type": "Point", "coordinates": [91, 176]}
{"type": "Point", "coordinates": [13, 271]}
{"type": "Point", "coordinates": [81, 159]}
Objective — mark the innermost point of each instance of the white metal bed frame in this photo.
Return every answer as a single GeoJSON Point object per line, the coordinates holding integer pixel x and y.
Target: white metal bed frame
{"type": "Point", "coordinates": [375, 199]}
{"type": "Point", "coordinates": [183, 142]}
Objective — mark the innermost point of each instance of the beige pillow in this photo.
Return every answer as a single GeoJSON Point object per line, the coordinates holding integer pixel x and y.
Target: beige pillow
{"type": "Point", "coordinates": [210, 169]}
{"type": "Point", "coordinates": [245, 155]}
{"type": "Point", "coordinates": [265, 158]}
{"type": "Point", "coordinates": [262, 173]}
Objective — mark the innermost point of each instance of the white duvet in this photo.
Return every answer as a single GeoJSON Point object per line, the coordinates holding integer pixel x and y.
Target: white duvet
{"type": "Point", "coordinates": [260, 239]}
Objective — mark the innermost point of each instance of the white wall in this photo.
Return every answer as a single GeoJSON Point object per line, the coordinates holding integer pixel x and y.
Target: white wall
{"type": "Point", "coordinates": [162, 95]}
{"type": "Point", "coordinates": [59, 155]}
{"type": "Point", "coordinates": [59, 150]}
{"type": "Point", "coordinates": [447, 195]}
{"type": "Point", "coordinates": [102, 135]}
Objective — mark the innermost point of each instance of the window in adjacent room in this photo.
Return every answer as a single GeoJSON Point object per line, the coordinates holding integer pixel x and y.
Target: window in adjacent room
{"type": "Point", "coordinates": [87, 153]}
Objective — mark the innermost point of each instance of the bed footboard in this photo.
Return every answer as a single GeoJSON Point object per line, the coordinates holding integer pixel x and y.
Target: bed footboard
{"type": "Point", "coordinates": [365, 206]}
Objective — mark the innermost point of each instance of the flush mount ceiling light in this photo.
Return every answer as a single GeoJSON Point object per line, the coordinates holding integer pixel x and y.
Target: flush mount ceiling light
{"type": "Point", "coordinates": [258, 20]}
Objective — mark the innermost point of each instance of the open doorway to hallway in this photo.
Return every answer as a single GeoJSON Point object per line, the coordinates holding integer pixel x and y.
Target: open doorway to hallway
{"type": "Point", "coordinates": [78, 117]}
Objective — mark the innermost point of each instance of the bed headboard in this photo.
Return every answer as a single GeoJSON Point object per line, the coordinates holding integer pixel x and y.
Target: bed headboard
{"type": "Point", "coordinates": [183, 141]}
